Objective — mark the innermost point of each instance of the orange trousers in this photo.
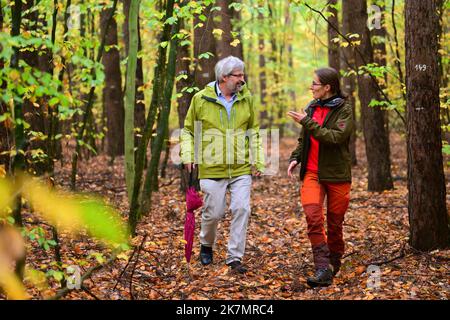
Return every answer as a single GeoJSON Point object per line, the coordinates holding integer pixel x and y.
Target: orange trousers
{"type": "Point", "coordinates": [312, 195]}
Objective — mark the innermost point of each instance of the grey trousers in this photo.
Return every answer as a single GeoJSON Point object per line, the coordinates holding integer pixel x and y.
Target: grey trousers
{"type": "Point", "coordinates": [214, 205]}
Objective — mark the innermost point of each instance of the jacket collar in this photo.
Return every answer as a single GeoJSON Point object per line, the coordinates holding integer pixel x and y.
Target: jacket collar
{"type": "Point", "coordinates": [333, 102]}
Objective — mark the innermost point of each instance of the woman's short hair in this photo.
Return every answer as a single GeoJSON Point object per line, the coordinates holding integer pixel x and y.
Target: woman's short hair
{"type": "Point", "coordinates": [225, 66]}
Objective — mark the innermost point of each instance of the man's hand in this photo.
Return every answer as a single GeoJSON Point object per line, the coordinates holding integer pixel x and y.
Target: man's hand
{"type": "Point", "coordinates": [257, 173]}
{"type": "Point", "coordinates": [189, 166]}
{"type": "Point", "coordinates": [297, 116]}
{"type": "Point", "coordinates": [291, 168]}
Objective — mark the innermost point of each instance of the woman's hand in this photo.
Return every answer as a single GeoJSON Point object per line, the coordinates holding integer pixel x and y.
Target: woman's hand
{"type": "Point", "coordinates": [291, 168]}
{"type": "Point", "coordinates": [297, 116]}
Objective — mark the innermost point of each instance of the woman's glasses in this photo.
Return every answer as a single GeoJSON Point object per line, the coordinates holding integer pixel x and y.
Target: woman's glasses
{"type": "Point", "coordinates": [316, 84]}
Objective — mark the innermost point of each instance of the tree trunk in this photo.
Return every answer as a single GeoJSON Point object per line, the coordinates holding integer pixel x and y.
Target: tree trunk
{"type": "Point", "coordinates": [378, 36]}
{"type": "Point", "coordinates": [333, 47]}
{"type": "Point", "coordinates": [32, 114]}
{"type": "Point", "coordinates": [139, 111]}
{"type": "Point", "coordinates": [349, 81]}
{"type": "Point", "coordinates": [264, 114]}
{"type": "Point", "coordinates": [183, 68]}
{"type": "Point", "coordinates": [163, 124]}
{"type": "Point", "coordinates": [130, 97]}
{"type": "Point", "coordinates": [112, 91]}
{"type": "Point", "coordinates": [223, 22]}
{"type": "Point", "coordinates": [428, 217]}
{"type": "Point", "coordinates": [373, 118]}
{"type": "Point", "coordinates": [204, 42]}
{"type": "Point", "coordinates": [135, 210]}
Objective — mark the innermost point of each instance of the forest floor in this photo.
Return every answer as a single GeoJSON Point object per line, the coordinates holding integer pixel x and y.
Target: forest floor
{"type": "Point", "coordinates": [278, 252]}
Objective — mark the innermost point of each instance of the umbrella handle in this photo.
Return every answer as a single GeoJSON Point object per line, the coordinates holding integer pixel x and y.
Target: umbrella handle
{"type": "Point", "coordinates": [191, 178]}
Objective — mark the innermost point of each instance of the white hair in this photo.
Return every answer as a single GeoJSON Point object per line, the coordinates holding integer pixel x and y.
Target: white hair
{"type": "Point", "coordinates": [225, 66]}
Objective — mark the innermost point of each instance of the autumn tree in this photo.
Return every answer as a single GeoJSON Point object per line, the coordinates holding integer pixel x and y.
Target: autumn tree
{"type": "Point", "coordinates": [428, 215]}
{"type": "Point", "coordinates": [112, 91]}
{"type": "Point", "coordinates": [372, 117]}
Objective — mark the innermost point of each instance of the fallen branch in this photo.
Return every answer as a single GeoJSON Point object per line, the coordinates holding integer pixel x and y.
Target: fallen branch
{"type": "Point", "coordinates": [134, 266]}
{"type": "Point", "coordinates": [399, 256]}
{"type": "Point", "coordinates": [126, 266]}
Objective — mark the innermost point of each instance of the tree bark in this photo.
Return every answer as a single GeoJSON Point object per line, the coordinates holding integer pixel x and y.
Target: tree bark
{"type": "Point", "coordinates": [373, 118]}
{"type": "Point", "coordinates": [428, 216]}
{"type": "Point", "coordinates": [264, 115]}
{"type": "Point", "coordinates": [112, 91]}
{"type": "Point", "coordinates": [163, 124]}
{"type": "Point", "coordinates": [183, 101]}
{"type": "Point", "coordinates": [139, 111]}
{"type": "Point", "coordinates": [135, 204]}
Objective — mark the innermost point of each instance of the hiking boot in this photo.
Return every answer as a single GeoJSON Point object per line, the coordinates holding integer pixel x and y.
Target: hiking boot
{"type": "Point", "coordinates": [322, 278]}
{"type": "Point", "coordinates": [206, 255]}
{"type": "Point", "coordinates": [237, 266]}
{"type": "Point", "coordinates": [335, 261]}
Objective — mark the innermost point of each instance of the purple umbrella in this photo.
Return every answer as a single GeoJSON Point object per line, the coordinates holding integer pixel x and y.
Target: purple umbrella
{"type": "Point", "coordinates": [193, 202]}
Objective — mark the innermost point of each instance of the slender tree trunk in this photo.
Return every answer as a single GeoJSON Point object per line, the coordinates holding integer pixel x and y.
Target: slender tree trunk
{"type": "Point", "coordinates": [130, 96]}
{"type": "Point", "coordinates": [373, 118]}
{"type": "Point", "coordinates": [163, 124]}
{"type": "Point", "coordinates": [349, 81]}
{"type": "Point", "coordinates": [135, 210]}
{"type": "Point", "coordinates": [274, 59]}
{"type": "Point", "coordinates": [428, 215]}
{"type": "Point", "coordinates": [184, 100]}
{"type": "Point", "coordinates": [378, 36]}
{"type": "Point", "coordinates": [333, 47]}
{"type": "Point", "coordinates": [139, 111]}
{"type": "Point", "coordinates": [113, 98]}
{"type": "Point", "coordinates": [33, 113]}
{"type": "Point", "coordinates": [264, 115]}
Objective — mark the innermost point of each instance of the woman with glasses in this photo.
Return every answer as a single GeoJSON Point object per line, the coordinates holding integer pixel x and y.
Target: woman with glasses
{"type": "Point", "coordinates": [323, 152]}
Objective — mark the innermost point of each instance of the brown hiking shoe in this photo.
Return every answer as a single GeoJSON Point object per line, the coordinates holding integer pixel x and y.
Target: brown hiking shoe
{"type": "Point", "coordinates": [322, 278]}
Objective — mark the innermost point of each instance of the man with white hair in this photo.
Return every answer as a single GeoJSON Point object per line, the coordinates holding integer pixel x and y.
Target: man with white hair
{"type": "Point", "coordinates": [223, 114]}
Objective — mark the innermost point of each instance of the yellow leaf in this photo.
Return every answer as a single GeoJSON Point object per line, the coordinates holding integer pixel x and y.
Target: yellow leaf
{"type": "Point", "coordinates": [235, 42]}
{"type": "Point", "coordinates": [217, 32]}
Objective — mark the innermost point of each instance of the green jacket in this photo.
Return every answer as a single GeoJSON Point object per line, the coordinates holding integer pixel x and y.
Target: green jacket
{"type": "Point", "coordinates": [222, 145]}
{"type": "Point", "coordinates": [333, 136]}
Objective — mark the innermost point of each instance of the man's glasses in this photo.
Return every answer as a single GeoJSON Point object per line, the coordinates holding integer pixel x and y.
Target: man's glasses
{"type": "Point", "coordinates": [239, 75]}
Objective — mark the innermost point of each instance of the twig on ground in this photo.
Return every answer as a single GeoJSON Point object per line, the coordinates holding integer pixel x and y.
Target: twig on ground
{"type": "Point", "coordinates": [134, 266]}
